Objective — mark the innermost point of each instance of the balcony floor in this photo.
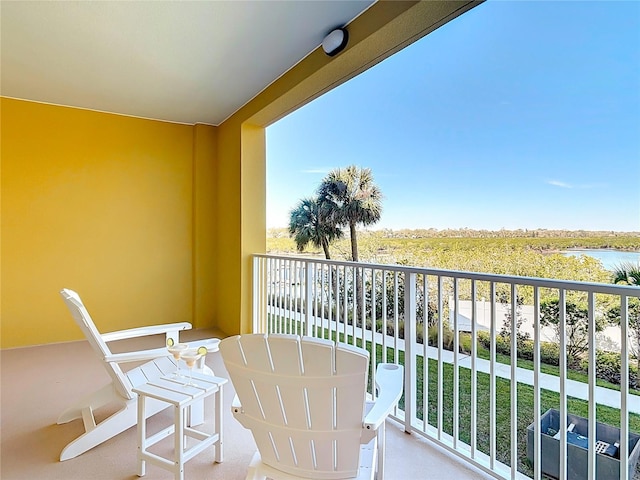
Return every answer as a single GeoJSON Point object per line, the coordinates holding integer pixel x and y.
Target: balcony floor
{"type": "Point", "coordinates": [37, 383]}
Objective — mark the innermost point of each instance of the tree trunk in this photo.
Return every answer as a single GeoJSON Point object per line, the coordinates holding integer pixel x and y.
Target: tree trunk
{"type": "Point", "coordinates": [359, 317]}
{"type": "Point", "coordinates": [354, 241]}
{"type": "Point", "coordinates": [325, 247]}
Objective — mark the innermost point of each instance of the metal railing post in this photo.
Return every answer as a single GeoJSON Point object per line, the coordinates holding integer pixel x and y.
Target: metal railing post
{"type": "Point", "coordinates": [409, 350]}
{"type": "Point", "coordinates": [256, 295]}
{"type": "Point", "coordinates": [309, 301]}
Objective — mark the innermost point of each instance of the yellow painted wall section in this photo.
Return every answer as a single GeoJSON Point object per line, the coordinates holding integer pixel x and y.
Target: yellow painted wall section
{"type": "Point", "coordinates": [228, 217]}
{"type": "Point", "coordinates": [99, 203]}
{"type": "Point", "coordinates": [241, 219]}
{"type": "Point", "coordinates": [254, 216]}
{"type": "Point", "coordinates": [204, 201]}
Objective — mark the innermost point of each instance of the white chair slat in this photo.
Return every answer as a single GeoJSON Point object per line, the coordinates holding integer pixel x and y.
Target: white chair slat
{"type": "Point", "coordinates": [302, 447]}
{"type": "Point", "coordinates": [243, 386]}
{"type": "Point", "coordinates": [269, 401]}
{"type": "Point", "coordinates": [319, 359]}
{"type": "Point", "coordinates": [285, 354]}
{"type": "Point", "coordinates": [242, 382]}
{"type": "Point", "coordinates": [287, 362]}
{"type": "Point", "coordinates": [318, 356]}
{"type": "Point", "coordinates": [348, 450]}
{"type": "Point", "coordinates": [351, 398]}
{"type": "Point", "coordinates": [165, 365]}
{"type": "Point", "coordinates": [233, 352]}
{"type": "Point", "coordinates": [350, 359]}
{"type": "Point", "coordinates": [269, 452]}
{"type": "Point", "coordinates": [255, 352]}
{"type": "Point", "coordinates": [324, 450]}
{"type": "Point", "coordinates": [320, 400]}
{"type": "Point", "coordinates": [281, 441]}
{"type": "Point", "coordinates": [245, 389]}
{"type": "Point", "coordinates": [293, 406]}
{"type": "Point", "coordinates": [264, 401]}
{"type": "Point", "coordinates": [151, 370]}
{"type": "Point", "coordinates": [349, 409]}
{"type": "Point", "coordinates": [136, 376]}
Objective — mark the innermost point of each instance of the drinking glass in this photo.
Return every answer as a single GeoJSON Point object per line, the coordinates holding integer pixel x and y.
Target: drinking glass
{"type": "Point", "coordinates": [176, 349]}
{"type": "Point", "coordinates": [191, 357]}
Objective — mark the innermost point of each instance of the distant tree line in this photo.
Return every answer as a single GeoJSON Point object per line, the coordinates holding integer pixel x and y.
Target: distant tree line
{"type": "Point", "coordinates": [502, 233]}
{"type": "Point", "coordinates": [277, 240]}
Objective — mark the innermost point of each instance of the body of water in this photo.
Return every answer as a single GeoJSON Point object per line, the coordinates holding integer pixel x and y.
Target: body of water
{"type": "Point", "coordinates": [609, 258]}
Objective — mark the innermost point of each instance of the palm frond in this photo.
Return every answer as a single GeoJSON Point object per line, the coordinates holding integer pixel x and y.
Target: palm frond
{"type": "Point", "coordinates": [627, 273]}
{"type": "Point", "coordinates": [307, 225]}
{"type": "Point", "coordinates": [348, 197]}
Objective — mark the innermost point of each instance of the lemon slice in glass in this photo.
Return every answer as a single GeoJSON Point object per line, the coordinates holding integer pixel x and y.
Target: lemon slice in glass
{"type": "Point", "coordinates": [170, 342]}
{"type": "Point", "coordinates": [202, 350]}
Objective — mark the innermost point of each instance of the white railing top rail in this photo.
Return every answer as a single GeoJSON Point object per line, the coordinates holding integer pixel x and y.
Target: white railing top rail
{"type": "Point", "coordinates": [627, 290]}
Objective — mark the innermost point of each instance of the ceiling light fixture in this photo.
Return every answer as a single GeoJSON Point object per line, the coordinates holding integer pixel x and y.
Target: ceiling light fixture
{"type": "Point", "coordinates": [335, 42]}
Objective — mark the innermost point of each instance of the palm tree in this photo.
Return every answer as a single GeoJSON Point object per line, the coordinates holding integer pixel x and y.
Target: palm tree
{"type": "Point", "coordinates": [627, 273]}
{"type": "Point", "coordinates": [349, 196]}
{"type": "Point", "coordinates": [307, 226]}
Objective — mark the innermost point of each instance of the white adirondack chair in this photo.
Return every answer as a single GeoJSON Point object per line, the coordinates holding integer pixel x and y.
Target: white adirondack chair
{"type": "Point", "coordinates": [304, 401]}
{"type": "Point", "coordinates": [158, 363]}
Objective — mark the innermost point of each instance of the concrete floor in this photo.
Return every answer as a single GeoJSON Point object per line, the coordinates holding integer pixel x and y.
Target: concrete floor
{"type": "Point", "coordinates": [37, 383]}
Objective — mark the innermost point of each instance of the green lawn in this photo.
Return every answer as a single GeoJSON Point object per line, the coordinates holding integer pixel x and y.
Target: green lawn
{"type": "Point", "coordinates": [548, 399]}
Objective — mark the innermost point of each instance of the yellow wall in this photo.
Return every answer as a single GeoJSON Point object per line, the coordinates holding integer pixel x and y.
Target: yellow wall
{"type": "Point", "coordinates": [102, 204]}
{"type": "Point", "coordinates": [150, 221]}
{"type": "Point", "coordinates": [204, 226]}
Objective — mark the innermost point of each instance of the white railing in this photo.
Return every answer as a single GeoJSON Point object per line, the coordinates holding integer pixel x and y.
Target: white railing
{"type": "Point", "coordinates": [389, 309]}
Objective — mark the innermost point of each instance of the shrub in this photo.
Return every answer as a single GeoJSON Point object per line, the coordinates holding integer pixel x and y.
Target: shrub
{"type": "Point", "coordinates": [447, 337]}
{"type": "Point", "coordinates": [391, 328]}
{"type": "Point", "coordinates": [484, 339]}
{"type": "Point", "coordinates": [525, 349]}
{"type": "Point", "coordinates": [503, 345]}
{"type": "Point", "coordinates": [576, 326]}
{"type": "Point", "coordinates": [465, 343]}
{"type": "Point", "coordinates": [608, 368]}
{"type": "Point", "coordinates": [550, 353]}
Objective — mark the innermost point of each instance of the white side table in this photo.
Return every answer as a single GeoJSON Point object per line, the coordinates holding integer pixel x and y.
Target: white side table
{"type": "Point", "coordinates": [174, 392]}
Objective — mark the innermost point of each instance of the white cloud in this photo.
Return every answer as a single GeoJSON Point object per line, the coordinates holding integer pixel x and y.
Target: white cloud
{"type": "Point", "coordinates": [322, 171]}
{"type": "Point", "coordinates": [557, 183]}
{"type": "Point", "coordinates": [583, 186]}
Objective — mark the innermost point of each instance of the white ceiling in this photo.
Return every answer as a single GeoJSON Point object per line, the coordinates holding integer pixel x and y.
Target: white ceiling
{"type": "Point", "coordinates": [190, 62]}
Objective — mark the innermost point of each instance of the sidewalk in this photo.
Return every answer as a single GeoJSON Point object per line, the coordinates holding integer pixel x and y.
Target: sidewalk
{"type": "Point", "coordinates": [604, 396]}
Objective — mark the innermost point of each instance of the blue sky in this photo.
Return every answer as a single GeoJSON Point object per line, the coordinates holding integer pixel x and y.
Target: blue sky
{"type": "Point", "coordinates": [514, 115]}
